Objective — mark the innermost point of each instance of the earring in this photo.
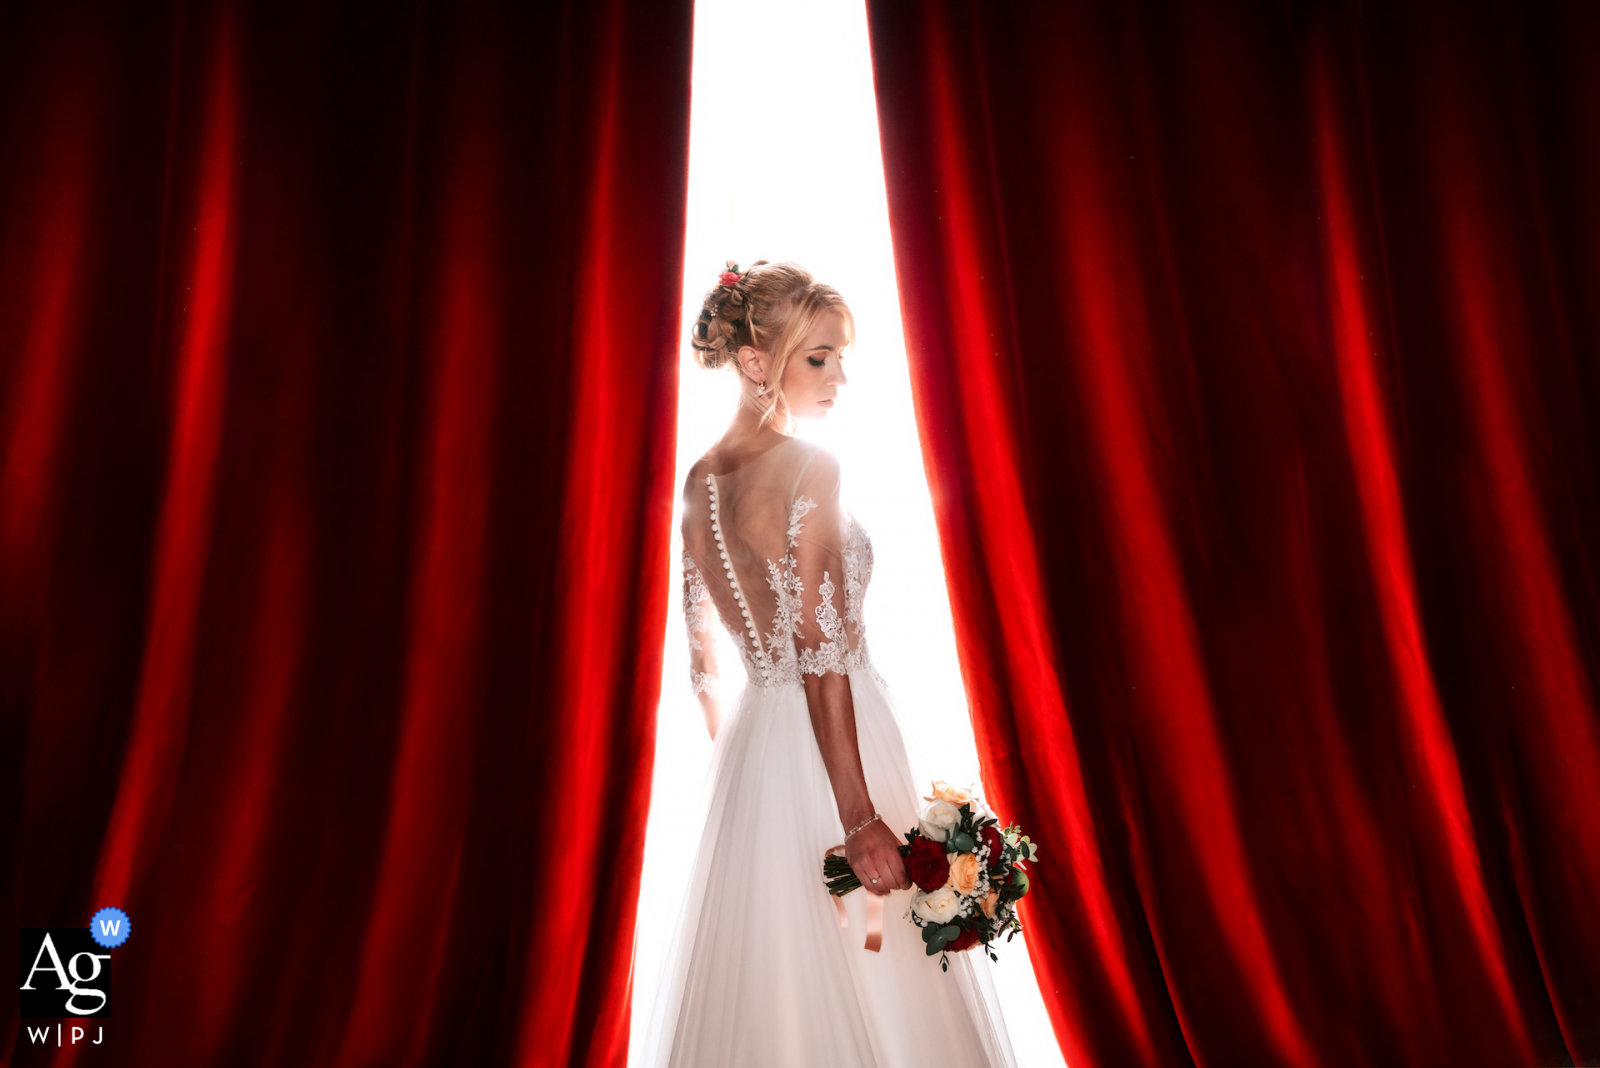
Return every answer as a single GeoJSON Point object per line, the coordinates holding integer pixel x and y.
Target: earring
{"type": "Point", "coordinates": [761, 388]}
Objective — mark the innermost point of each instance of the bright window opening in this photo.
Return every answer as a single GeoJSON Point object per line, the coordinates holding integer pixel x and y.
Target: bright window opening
{"type": "Point", "coordinates": [784, 164]}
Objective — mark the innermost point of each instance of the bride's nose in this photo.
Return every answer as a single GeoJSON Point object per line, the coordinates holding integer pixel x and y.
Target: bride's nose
{"type": "Point", "coordinates": [836, 375]}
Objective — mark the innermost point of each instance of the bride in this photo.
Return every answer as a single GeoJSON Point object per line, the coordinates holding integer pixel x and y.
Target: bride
{"type": "Point", "coordinates": [761, 971]}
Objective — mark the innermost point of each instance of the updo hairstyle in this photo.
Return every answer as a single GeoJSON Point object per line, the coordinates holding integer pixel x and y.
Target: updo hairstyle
{"type": "Point", "coordinates": [770, 307]}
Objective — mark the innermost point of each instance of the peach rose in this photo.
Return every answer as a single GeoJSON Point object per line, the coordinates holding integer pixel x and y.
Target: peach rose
{"type": "Point", "coordinates": [956, 795]}
{"type": "Point", "coordinates": [988, 903]}
{"type": "Point", "coordinates": [963, 872]}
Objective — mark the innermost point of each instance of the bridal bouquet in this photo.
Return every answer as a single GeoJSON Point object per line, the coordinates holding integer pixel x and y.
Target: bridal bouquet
{"type": "Point", "coordinates": [967, 871]}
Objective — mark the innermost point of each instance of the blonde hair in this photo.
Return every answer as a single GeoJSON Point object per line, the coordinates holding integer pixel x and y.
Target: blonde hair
{"type": "Point", "coordinates": [770, 307]}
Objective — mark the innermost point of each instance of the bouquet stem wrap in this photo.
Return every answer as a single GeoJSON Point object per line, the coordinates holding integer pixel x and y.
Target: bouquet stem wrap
{"type": "Point", "coordinates": [874, 910]}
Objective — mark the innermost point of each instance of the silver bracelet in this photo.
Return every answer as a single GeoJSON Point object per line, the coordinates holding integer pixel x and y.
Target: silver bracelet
{"type": "Point", "coordinates": [849, 834]}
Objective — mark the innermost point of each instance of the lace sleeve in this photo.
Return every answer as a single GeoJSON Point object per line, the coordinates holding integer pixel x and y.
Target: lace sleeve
{"type": "Point", "coordinates": [817, 541]}
{"type": "Point", "coordinates": [697, 613]}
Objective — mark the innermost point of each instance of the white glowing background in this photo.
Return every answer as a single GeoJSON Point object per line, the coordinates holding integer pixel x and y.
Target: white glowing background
{"type": "Point", "coordinates": [784, 164]}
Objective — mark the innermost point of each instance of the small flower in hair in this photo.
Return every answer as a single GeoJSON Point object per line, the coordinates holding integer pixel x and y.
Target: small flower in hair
{"type": "Point", "coordinates": [730, 277]}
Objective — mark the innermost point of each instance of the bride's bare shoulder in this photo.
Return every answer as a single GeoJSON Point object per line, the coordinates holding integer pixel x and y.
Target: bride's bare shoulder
{"type": "Point", "coordinates": [782, 466]}
{"type": "Point", "coordinates": [697, 475]}
{"type": "Point", "coordinates": [818, 462]}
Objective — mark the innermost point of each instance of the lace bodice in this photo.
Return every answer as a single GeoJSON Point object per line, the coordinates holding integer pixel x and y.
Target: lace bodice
{"type": "Point", "coordinates": [770, 549]}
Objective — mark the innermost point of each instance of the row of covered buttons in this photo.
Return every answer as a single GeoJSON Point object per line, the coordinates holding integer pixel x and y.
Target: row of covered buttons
{"type": "Point", "coordinates": [727, 566]}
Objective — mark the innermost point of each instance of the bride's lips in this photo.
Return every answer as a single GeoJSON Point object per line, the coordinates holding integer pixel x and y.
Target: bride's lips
{"type": "Point", "coordinates": [825, 401]}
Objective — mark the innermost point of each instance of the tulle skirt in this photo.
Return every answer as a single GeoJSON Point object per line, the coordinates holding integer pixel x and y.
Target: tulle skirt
{"type": "Point", "coordinates": [760, 972]}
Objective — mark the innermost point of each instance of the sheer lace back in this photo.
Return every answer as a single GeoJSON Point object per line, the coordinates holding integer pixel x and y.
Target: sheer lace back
{"type": "Point", "coordinates": [770, 548]}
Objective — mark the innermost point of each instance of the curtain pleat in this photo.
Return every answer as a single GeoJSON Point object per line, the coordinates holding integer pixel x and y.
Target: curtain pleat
{"type": "Point", "coordinates": [338, 350]}
{"type": "Point", "coordinates": [1253, 349]}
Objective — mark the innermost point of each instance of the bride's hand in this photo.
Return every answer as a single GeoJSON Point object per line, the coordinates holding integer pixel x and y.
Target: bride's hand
{"type": "Point", "coordinates": [873, 852]}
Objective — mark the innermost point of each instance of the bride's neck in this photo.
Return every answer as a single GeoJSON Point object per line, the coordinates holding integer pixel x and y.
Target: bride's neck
{"type": "Point", "coordinates": [747, 433]}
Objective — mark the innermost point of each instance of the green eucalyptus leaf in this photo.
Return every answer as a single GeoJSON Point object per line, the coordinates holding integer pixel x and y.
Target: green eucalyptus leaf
{"type": "Point", "coordinates": [1016, 887]}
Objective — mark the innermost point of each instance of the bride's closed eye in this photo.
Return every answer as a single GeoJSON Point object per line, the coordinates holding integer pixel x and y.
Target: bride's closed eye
{"type": "Point", "coordinates": [815, 362]}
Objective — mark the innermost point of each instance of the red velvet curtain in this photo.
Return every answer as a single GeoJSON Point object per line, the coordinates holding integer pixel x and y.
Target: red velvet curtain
{"type": "Point", "coordinates": [339, 369]}
{"type": "Point", "coordinates": [1254, 349]}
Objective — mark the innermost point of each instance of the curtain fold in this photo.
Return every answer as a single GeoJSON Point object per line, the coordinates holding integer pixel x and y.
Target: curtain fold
{"type": "Point", "coordinates": [1254, 354]}
{"type": "Point", "coordinates": [338, 351]}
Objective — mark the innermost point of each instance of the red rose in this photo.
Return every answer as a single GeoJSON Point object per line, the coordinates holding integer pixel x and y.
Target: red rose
{"type": "Point", "coordinates": [991, 837]}
{"type": "Point", "coordinates": [926, 864]}
{"type": "Point", "coordinates": [965, 941]}
{"type": "Point", "coordinates": [728, 278]}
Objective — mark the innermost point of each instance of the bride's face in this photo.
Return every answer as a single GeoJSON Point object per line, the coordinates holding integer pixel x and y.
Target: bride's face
{"type": "Point", "coordinates": [813, 373]}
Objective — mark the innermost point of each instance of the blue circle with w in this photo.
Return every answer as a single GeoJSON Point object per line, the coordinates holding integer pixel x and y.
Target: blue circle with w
{"type": "Point", "coordinates": [110, 927]}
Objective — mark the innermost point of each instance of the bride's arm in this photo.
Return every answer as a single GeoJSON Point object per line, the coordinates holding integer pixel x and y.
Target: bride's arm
{"type": "Point", "coordinates": [873, 851]}
{"type": "Point", "coordinates": [818, 530]}
{"type": "Point", "coordinates": [697, 614]}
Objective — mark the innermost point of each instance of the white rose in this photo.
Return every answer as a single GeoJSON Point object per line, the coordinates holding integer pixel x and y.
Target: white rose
{"type": "Point", "coordinates": [938, 906]}
{"type": "Point", "coordinates": [938, 819]}
{"type": "Point", "coordinates": [981, 811]}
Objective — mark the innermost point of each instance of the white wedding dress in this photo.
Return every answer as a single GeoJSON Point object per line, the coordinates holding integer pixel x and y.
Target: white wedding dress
{"type": "Point", "coordinates": [760, 973]}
